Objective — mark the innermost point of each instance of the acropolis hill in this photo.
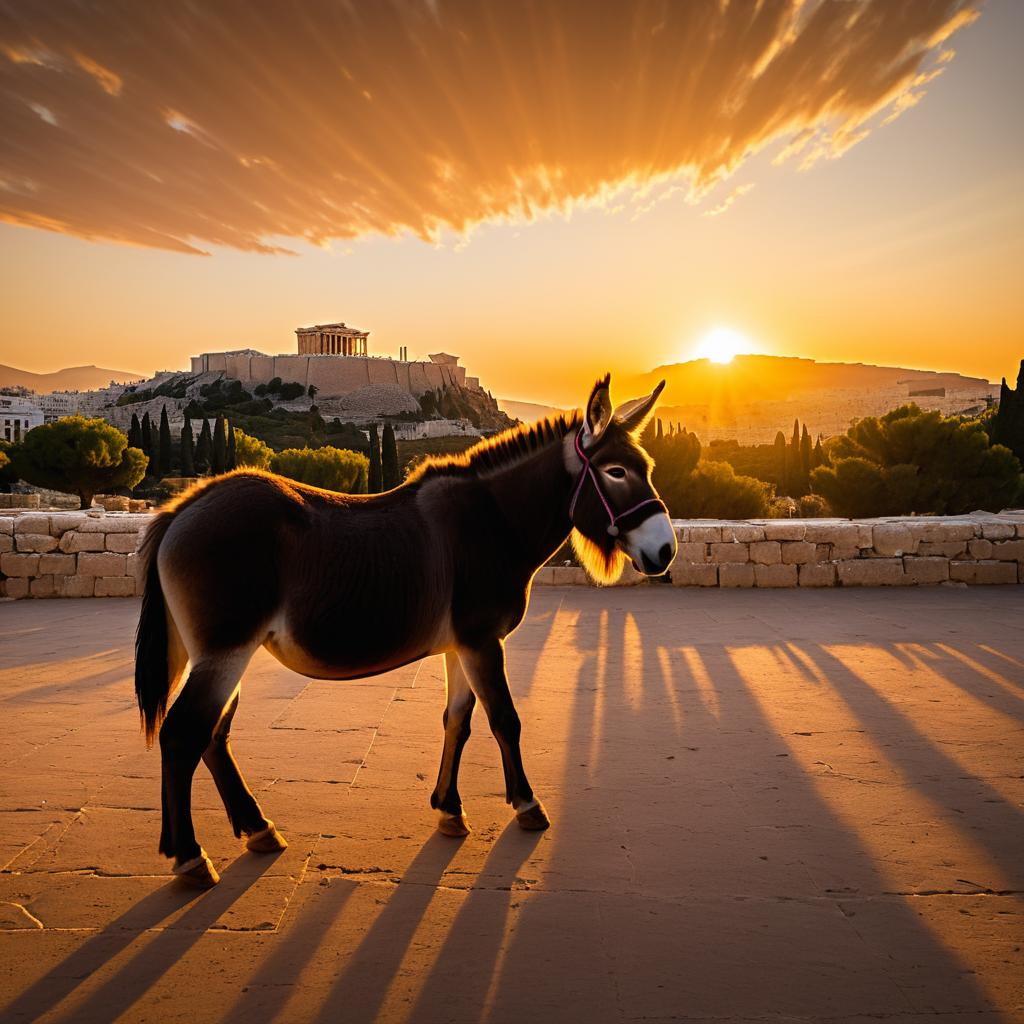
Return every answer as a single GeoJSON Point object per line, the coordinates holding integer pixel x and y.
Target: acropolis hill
{"type": "Point", "coordinates": [332, 368]}
{"type": "Point", "coordinates": [335, 359]}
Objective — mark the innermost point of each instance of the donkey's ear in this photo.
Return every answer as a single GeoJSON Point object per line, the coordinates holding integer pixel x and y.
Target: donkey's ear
{"type": "Point", "coordinates": [599, 412]}
{"type": "Point", "coordinates": [633, 416]}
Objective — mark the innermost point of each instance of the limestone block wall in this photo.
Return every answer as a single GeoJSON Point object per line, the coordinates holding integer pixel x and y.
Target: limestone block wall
{"type": "Point", "coordinates": [69, 554]}
{"type": "Point", "coordinates": [910, 551]}
{"type": "Point", "coordinates": [333, 375]}
{"type": "Point", "coordinates": [92, 554]}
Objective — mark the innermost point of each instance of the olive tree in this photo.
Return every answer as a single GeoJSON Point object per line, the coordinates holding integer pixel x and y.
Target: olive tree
{"type": "Point", "coordinates": [80, 456]}
{"type": "Point", "coordinates": [913, 461]}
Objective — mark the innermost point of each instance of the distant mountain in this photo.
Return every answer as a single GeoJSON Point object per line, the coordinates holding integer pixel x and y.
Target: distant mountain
{"type": "Point", "coordinates": [528, 412]}
{"type": "Point", "coordinates": [754, 396]}
{"type": "Point", "coordinates": [778, 378]}
{"type": "Point", "coordinates": [72, 378]}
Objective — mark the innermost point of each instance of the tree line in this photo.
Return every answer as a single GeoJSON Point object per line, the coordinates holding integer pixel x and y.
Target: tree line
{"type": "Point", "coordinates": [213, 452]}
{"type": "Point", "coordinates": [91, 456]}
{"type": "Point", "coordinates": [336, 469]}
{"type": "Point", "coordinates": [906, 461]}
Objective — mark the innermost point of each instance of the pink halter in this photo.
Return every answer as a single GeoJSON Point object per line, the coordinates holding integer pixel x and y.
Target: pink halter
{"type": "Point", "coordinates": [588, 470]}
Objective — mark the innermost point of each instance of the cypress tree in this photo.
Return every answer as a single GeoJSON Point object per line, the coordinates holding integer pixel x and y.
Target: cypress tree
{"type": "Point", "coordinates": [204, 448]}
{"type": "Point", "coordinates": [659, 430]}
{"type": "Point", "coordinates": [647, 435]}
{"type": "Point", "coordinates": [1008, 422]}
{"type": "Point", "coordinates": [219, 460]}
{"type": "Point", "coordinates": [796, 485]}
{"type": "Point", "coordinates": [232, 456]}
{"type": "Point", "coordinates": [149, 447]}
{"type": "Point", "coordinates": [165, 442]}
{"type": "Point", "coordinates": [188, 447]}
{"type": "Point", "coordinates": [805, 456]}
{"type": "Point", "coordinates": [390, 475]}
{"type": "Point", "coordinates": [817, 456]}
{"type": "Point", "coordinates": [135, 432]}
{"type": "Point", "coordinates": [374, 481]}
{"type": "Point", "coordinates": [780, 460]}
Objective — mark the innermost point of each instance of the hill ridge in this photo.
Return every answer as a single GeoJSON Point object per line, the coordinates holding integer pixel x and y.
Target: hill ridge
{"type": "Point", "coordinates": [88, 377]}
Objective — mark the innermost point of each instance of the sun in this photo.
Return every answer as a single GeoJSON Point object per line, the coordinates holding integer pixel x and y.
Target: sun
{"type": "Point", "coordinates": [721, 344]}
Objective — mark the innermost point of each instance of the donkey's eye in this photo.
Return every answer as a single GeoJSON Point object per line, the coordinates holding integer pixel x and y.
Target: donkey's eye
{"type": "Point", "coordinates": [616, 472]}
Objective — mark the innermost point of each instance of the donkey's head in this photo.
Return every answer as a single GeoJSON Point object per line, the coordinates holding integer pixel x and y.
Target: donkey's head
{"type": "Point", "coordinates": [615, 511]}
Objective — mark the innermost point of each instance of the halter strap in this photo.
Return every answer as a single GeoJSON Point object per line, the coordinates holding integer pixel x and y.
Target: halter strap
{"type": "Point", "coordinates": [588, 471]}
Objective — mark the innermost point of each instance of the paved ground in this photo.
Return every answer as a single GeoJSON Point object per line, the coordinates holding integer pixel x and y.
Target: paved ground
{"type": "Point", "coordinates": [768, 805]}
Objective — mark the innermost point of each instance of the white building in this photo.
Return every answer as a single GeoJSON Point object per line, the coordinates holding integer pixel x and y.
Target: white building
{"type": "Point", "coordinates": [17, 417]}
{"type": "Point", "coordinates": [59, 403]}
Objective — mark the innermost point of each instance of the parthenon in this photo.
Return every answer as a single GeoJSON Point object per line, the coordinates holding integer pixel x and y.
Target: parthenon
{"type": "Point", "coordinates": [331, 340]}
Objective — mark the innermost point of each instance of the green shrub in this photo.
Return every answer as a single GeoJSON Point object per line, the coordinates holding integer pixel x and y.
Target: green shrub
{"type": "Point", "coordinates": [334, 469]}
{"type": "Point", "coordinates": [813, 506]}
{"type": "Point", "coordinates": [8, 473]}
{"type": "Point", "coordinates": [251, 451]}
{"type": "Point", "coordinates": [714, 491]}
{"type": "Point", "coordinates": [256, 407]}
{"type": "Point", "coordinates": [695, 489]}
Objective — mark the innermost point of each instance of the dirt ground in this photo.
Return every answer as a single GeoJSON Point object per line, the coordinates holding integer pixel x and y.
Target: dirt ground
{"type": "Point", "coordinates": [767, 806]}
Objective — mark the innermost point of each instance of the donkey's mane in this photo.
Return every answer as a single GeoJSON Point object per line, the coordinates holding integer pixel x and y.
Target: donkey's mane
{"type": "Point", "coordinates": [499, 452]}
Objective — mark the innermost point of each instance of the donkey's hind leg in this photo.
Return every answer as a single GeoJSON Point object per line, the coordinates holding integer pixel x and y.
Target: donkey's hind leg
{"type": "Point", "coordinates": [243, 811]}
{"type": "Point", "coordinates": [186, 733]}
{"type": "Point", "coordinates": [457, 715]}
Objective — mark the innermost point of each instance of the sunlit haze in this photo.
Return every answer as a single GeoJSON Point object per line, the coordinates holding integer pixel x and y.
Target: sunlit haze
{"type": "Point", "coordinates": [722, 345]}
{"type": "Point", "coordinates": [548, 194]}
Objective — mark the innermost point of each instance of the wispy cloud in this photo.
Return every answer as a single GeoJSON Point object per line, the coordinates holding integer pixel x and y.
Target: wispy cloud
{"type": "Point", "coordinates": [185, 126]}
{"type": "Point", "coordinates": [720, 208]}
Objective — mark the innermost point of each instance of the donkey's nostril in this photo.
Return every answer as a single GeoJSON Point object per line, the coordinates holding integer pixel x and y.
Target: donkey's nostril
{"type": "Point", "coordinates": [665, 553]}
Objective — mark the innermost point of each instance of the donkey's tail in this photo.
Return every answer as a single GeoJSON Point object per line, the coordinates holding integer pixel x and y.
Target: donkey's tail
{"type": "Point", "coordinates": [152, 669]}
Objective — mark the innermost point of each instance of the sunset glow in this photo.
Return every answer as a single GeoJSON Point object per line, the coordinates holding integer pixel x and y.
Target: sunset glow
{"type": "Point", "coordinates": [458, 177]}
{"type": "Point", "coordinates": [722, 345]}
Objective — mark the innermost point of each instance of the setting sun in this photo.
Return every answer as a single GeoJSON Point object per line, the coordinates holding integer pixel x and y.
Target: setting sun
{"type": "Point", "coordinates": [721, 344]}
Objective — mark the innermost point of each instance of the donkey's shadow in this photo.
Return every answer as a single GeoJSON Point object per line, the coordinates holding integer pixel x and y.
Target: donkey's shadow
{"type": "Point", "coordinates": [151, 960]}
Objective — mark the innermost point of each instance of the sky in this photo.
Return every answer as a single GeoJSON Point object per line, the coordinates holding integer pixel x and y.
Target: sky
{"type": "Point", "coordinates": [550, 190]}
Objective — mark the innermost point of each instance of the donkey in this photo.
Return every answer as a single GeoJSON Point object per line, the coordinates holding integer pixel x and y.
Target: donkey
{"type": "Point", "coordinates": [340, 586]}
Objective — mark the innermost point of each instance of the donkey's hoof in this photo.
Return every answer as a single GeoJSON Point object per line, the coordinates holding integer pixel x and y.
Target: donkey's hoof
{"type": "Point", "coordinates": [199, 872]}
{"type": "Point", "coordinates": [453, 825]}
{"type": "Point", "coordinates": [269, 840]}
{"type": "Point", "coordinates": [533, 818]}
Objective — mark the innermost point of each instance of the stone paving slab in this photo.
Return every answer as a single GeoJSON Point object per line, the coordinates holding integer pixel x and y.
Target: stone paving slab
{"type": "Point", "coordinates": [768, 806]}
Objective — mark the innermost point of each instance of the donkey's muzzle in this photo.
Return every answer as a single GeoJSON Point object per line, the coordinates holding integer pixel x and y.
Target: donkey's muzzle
{"type": "Point", "coordinates": [651, 546]}
{"type": "Point", "coordinates": [656, 566]}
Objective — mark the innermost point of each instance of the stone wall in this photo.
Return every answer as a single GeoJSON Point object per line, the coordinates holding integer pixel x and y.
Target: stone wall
{"type": "Point", "coordinates": [92, 554]}
{"type": "Point", "coordinates": [907, 551]}
{"type": "Point", "coordinates": [69, 554]}
{"type": "Point", "coordinates": [332, 375]}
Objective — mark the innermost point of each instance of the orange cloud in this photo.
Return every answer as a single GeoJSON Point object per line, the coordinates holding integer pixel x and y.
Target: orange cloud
{"type": "Point", "coordinates": [248, 125]}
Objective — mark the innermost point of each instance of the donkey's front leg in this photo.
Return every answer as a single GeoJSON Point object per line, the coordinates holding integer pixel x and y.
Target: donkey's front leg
{"type": "Point", "coordinates": [457, 715]}
{"type": "Point", "coordinates": [485, 667]}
